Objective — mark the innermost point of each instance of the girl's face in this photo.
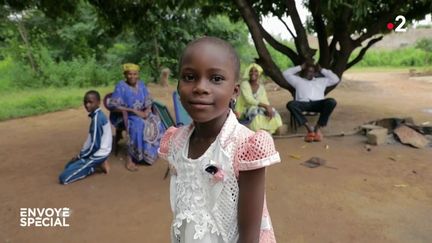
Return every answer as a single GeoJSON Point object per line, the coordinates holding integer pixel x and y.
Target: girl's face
{"type": "Point", "coordinates": [207, 82]}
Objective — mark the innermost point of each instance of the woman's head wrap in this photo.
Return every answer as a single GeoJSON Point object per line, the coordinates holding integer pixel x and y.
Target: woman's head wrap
{"type": "Point", "coordinates": [253, 65]}
{"type": "Point", "coordinates": [130, 67]}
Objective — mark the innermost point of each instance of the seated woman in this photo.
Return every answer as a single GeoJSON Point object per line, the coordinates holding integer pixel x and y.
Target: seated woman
{"type": "Point", "coordinates": [145, 128]}
{"type": "Point", "coordinates": [253, 106]}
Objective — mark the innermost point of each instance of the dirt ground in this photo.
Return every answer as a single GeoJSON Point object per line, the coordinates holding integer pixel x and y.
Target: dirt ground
{"type": "Point", "coordinates": [366, 197]}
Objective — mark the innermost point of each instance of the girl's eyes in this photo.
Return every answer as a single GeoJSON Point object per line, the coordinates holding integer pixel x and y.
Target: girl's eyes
{"type": "Point", "coordinates": [217, 79]}
{"type": "Point", "coordinates": [188, 77]}
{"type": "Point", "coordinates": [213, 78]}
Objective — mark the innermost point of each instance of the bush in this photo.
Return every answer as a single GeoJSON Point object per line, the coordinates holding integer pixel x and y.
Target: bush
{"type": "Point", "coordinates": [5, 74]}
{"type": "Point", "coordinates": [79, 72]}
{"type": "Point", "coordinates": [424, 44]}
{"type": "Point", "coordinates": [403, 57]}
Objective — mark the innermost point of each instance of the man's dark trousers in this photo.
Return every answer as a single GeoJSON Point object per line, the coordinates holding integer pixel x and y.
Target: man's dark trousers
{"type": "Point", "coordinates": [324, 107]}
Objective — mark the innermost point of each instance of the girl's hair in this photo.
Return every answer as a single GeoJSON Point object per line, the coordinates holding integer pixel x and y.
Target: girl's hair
{"type": "Point", "coordinates": [218, 42]}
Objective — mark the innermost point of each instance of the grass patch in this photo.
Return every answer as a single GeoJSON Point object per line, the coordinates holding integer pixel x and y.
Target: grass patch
{"type": "Point", "coordinates": [22, 103]}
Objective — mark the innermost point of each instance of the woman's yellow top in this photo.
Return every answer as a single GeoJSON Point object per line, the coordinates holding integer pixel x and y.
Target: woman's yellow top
{"type": "Point", "coordinates": [247, 98]}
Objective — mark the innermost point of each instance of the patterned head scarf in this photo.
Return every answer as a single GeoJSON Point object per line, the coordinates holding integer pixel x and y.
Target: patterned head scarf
{"type": "Point", "coordinates": [253, 65]}
{"type": "Point", "coordinates": [130, 67]}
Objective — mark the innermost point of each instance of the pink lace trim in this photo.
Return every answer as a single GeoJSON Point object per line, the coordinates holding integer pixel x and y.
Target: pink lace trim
{"type": "Point", "coordinates": [257, 151]}
{"type": "Point", "coordinates": [164, 143]}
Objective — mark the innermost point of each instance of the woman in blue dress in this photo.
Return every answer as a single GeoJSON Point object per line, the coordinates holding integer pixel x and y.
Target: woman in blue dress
{"type": "Point", "coordinates": [145, 128]}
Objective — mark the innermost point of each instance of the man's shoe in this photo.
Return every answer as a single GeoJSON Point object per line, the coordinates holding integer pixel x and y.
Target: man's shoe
{"type": "Point", "coordinates": [318, 136]}
{"type": "Point", "coordinates": [310, 137]}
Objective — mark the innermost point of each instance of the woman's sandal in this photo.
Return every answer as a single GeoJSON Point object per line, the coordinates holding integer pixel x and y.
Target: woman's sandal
{"type": "Point", "coordinates": [310, 137]}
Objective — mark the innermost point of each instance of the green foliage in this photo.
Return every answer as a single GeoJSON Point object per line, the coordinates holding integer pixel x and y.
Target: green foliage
{"type": "Point", "coordinates": [6, 76]}
{"type": "Point", "coordinates": [403, 57]}
{"type": "Point", "coordinates": [282, 61]}
{"type": "Point", "coordinates": [427, 26]}
{"type": "Point", "coordinates": [424, 44]}
{"type": "Point", "coordinates": [365, 14]}
{"type": "Point", "coordinates": [78, 72]}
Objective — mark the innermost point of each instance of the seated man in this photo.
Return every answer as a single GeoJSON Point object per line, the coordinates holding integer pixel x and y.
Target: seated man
{"type": "Point", "coordinates": [310, 96]}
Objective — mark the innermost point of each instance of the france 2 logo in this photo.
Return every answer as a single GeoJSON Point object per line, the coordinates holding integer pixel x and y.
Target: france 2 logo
{"type": "Point", "coordinates": [400, 27]}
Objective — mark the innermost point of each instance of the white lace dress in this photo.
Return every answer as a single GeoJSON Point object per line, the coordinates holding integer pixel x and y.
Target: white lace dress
{"type": "Point", "coordinates": [204, 192]}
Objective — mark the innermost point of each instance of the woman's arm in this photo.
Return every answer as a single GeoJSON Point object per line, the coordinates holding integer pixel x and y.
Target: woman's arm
{"type": "Point", "coordinates": [122, 108]}
{"type": "Point", "coordinates": [246, 92]}
{"type": "Point", "coordinates": [250, 206]}
{"type": "Point", "coordinates": [117, 103]}
{"type": "Point", "coordinates": [266, 104]}
{"type": "Point", "coordinates": [143, 114]}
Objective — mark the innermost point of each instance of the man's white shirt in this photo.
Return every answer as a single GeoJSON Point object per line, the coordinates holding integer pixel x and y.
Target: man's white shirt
{"type": "Point", "coordinates": [310, 90]}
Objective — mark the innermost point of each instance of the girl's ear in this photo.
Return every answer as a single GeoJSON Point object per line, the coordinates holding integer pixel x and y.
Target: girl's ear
{"type": "Point", "coordinates": [236, 91]}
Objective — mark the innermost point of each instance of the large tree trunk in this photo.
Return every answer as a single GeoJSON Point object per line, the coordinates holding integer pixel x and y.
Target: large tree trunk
{"type": "Point", "coordinates": [265, 59]}
{"type": "Point", "coordinates": [334, 56]}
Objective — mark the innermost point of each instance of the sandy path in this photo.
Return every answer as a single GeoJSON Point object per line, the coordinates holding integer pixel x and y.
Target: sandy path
{"type": "Point", "coordinates": [357, 202]}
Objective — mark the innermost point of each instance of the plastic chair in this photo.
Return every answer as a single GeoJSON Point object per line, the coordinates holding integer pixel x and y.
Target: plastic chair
{"type": "Point", "coordinates": [160, 109]}
{"type": "Point", "coordinates": [182, 117]}
{"type": "Point", "coordinates": [293, 122]}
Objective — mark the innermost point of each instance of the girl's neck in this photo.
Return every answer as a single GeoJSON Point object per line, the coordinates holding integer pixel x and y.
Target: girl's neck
{"type": "Point", "coordinates": [210, 129]}
{"type": "Point", "coordinates": [204, 135]}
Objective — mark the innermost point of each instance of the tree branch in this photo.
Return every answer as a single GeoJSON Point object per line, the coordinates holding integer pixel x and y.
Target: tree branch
{"type": "Point", "coordinates": [320, 28]}
{"type": "Point", "coordinates": [287, 27]}
{"type": "Point", "coordinates": [332, 49]}
{"type": "Point", "coordinates": [363, 52]}
{"type": "Point", "coordinates": [265, 60]}
{"type": "Point", "coordinates": [280, 47]}
{"type": "Point", "coordinates": [301, 40]}
{"type": "Point", "coordinates": [384, 18]}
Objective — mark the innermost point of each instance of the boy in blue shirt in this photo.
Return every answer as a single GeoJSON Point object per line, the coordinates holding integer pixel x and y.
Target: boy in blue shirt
{"type": "Point", "coordinates": [96, 148]}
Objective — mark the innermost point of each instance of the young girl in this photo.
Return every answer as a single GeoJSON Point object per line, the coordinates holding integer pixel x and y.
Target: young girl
{"type": "Point", "coordinates": [217, 166]}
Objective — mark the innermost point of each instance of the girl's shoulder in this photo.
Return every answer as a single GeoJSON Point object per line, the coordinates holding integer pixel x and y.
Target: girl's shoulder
{"type": "Point", "coordinates": [173, 136]}
{"type": "Point", "coordinates": [254, 149]}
